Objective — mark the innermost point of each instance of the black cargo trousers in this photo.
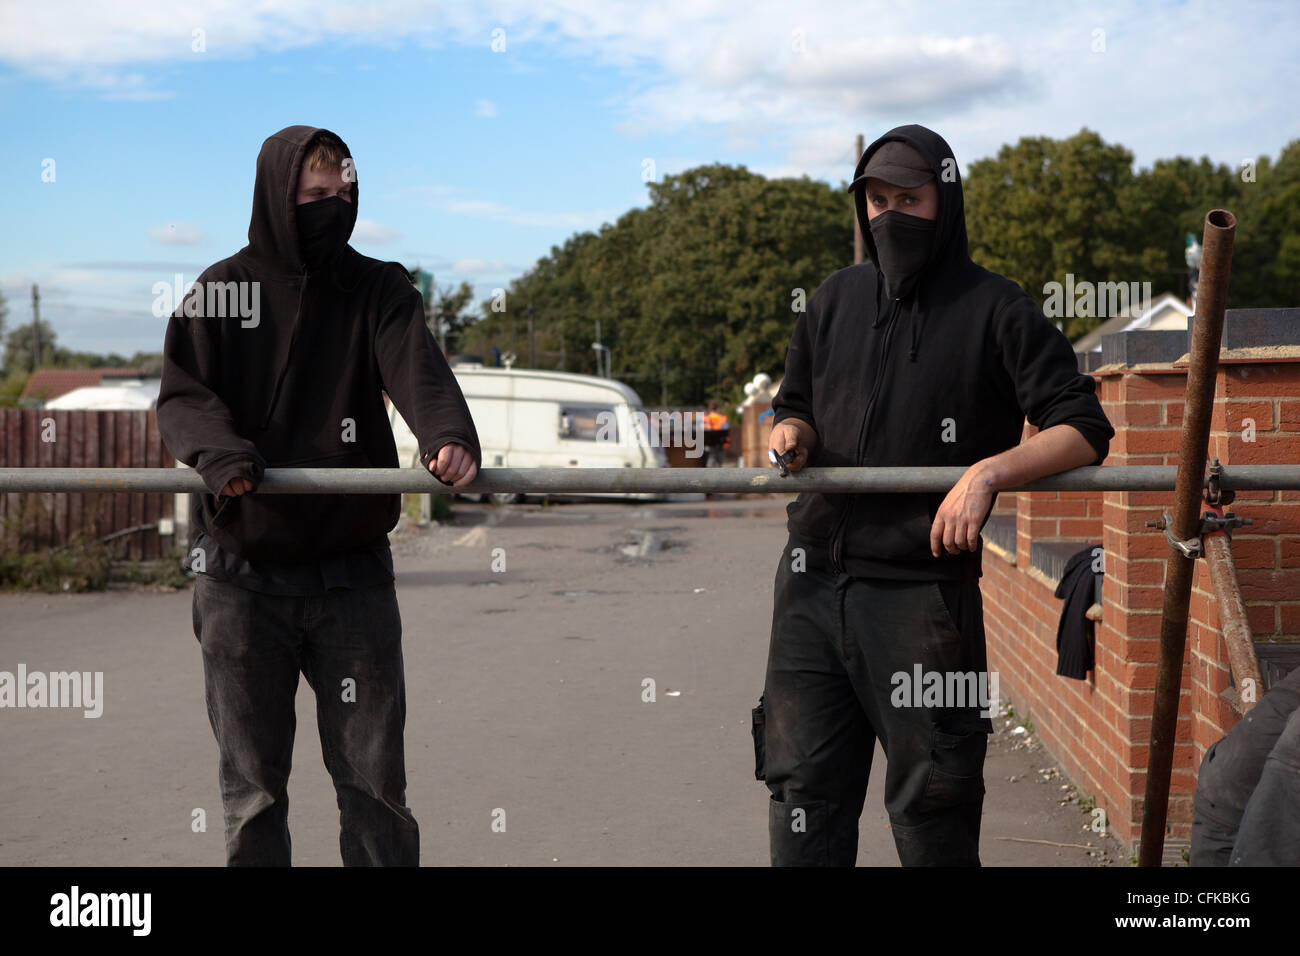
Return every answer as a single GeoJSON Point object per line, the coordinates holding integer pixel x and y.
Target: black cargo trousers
{"type": "Point", "coordinates": [838, 647]}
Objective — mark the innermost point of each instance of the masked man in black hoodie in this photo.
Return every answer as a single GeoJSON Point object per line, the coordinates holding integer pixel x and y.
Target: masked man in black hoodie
{"type": "Point", "coordinates": [919, 357]}
{"type": "Point", "coordinates": [278, 357]}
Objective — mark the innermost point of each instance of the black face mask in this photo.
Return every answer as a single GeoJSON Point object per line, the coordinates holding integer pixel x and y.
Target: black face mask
{"type": "Point", "coordinates": [323, 229]}
{"type": "Point", "coordinates": [902, 247]}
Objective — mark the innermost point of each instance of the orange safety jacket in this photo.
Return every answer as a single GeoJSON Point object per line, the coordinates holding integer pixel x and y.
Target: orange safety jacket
{"type": "Point", "coordinates": [716, 422]}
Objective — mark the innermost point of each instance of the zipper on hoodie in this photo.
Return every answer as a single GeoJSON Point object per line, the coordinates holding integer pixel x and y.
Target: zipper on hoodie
{"type": "Point", "coordinates": [837, 536]}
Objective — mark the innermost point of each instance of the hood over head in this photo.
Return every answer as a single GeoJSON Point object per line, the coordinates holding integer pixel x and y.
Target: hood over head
{"type": "Point", "coordinates": [273, 229]}
{"type": "Point", "coordinates": [950, 224]}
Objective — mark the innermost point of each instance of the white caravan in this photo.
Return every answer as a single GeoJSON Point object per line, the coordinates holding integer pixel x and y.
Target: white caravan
{"type": "Point", "coordinates": [532, 418]}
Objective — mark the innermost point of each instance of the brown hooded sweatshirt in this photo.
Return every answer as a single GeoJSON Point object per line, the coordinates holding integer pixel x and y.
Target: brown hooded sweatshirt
{"type": "Point", "coordinates": [290, 373]}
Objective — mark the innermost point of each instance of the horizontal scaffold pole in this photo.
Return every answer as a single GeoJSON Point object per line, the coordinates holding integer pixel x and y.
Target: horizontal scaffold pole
{"type": "Point", "coordinates": [584, 481]}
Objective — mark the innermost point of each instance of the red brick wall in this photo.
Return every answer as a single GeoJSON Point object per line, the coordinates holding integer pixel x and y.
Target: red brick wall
{"type": "Point", "coordinates": [1099, 729]}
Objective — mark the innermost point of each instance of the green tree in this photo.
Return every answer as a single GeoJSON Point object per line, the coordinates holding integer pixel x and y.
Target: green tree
{"type": "Point", "coordinates": [18, 348]}
{"type": "Point", "coordinates": [1266, 247]}
{"type": "Point", "coordinates": [557, 288]}
{"type": "Point", "coordinates": [1044, 208]}
{"type": "Point", "coordinates": [736, 256]}
{"type": "Point", "coordinates": [150, 362]}
{"type": "Point", "coordinates": [65, 358]}
{"type": "Point", "coordinates": [11, 386]}
{"type": "Point", "coordinates": [695, 293]}
{"type": "Point", "coordinates": [453, 313]}
{"type": "Point", "coordinates": [1165, 203]}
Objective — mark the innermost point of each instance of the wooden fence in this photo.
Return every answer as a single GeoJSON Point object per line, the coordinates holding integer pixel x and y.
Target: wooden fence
{"type": "Point", "coordinates": [43, 438]}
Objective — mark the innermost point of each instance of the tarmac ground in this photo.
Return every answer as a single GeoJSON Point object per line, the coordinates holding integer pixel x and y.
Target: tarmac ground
{"type": "Point", "coordinates": [529, 632]}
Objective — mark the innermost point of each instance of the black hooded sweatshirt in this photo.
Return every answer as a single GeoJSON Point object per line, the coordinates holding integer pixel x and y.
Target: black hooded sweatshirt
{"type": "Point", "coordinates": [300, 384]}
{"type": "Point", "coordinates": [945, 375]}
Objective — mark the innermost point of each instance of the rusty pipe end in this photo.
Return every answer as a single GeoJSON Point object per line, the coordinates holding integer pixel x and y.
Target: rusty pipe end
{"type": "Point", "coordinates": [1220, 219]}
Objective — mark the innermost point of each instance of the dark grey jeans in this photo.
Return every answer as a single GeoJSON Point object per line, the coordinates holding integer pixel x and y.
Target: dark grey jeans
{"type": "Point", "coordinates": [348, 644]}
{"type": "Point", "coordinates": [837, 643]}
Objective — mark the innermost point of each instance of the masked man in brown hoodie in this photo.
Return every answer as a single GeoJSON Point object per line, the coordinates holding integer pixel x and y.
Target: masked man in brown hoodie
{"type": "Point", "coordinates": [279, 357]}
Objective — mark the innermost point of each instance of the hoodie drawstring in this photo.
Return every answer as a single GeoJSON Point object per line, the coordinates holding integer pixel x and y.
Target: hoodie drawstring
{"type": "Point", "coordinates": [918, 318]}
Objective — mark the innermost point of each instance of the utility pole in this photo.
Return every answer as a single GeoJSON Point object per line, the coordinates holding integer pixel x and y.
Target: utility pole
{"type": "Point", "coordinates": [602, 351]}
{"type": "Point", "coordinates": [36, 328]}
{"type": "Point", "coordinates": [858, 246]}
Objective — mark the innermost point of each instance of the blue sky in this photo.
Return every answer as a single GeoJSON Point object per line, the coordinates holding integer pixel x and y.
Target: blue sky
{"type": "Point", "coordinates": [473, 162]}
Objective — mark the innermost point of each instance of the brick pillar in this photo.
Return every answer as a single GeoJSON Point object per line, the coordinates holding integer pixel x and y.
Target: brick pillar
{"type": "Point", "coordinates": [1256, 421]}
{"type": "Point", "coordinates": [1145, 408]}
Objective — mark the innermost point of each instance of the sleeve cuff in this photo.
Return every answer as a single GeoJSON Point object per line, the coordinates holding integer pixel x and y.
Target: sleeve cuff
{"type": "Point", "coordinates": [218, 474]}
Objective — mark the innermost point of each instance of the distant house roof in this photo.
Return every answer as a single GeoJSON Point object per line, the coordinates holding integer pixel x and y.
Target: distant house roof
{"type": "Point", "coordinates": [135, 395]}
{"type": "Point", "coordinates": [1166, 312]}
{"type": "Point", "coordinates": [50, 383]}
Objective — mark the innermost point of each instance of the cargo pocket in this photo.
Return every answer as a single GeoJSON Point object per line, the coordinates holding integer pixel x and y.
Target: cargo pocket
{"type": "Point", "coordinates": [760, 741]}
{"type": "Point", "coordinates": [956, 769]}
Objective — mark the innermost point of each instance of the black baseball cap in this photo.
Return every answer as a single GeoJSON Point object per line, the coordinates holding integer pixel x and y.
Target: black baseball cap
{"type": "Point", "coordinates": [898, 164]}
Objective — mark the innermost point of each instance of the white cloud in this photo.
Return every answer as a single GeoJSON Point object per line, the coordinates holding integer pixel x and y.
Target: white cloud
{"type": "Point", "coordinates": [485, 108]}
{"type": "Point", "coordinates": [177, 234]}
{"type": "Point", "coordinates": [367, 230]}
{"type": "Point", "coordinates": [799, 78]}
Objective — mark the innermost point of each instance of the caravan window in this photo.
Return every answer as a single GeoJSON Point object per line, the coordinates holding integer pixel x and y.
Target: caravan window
{"type": "Point", "coordinates": [589, 423]}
